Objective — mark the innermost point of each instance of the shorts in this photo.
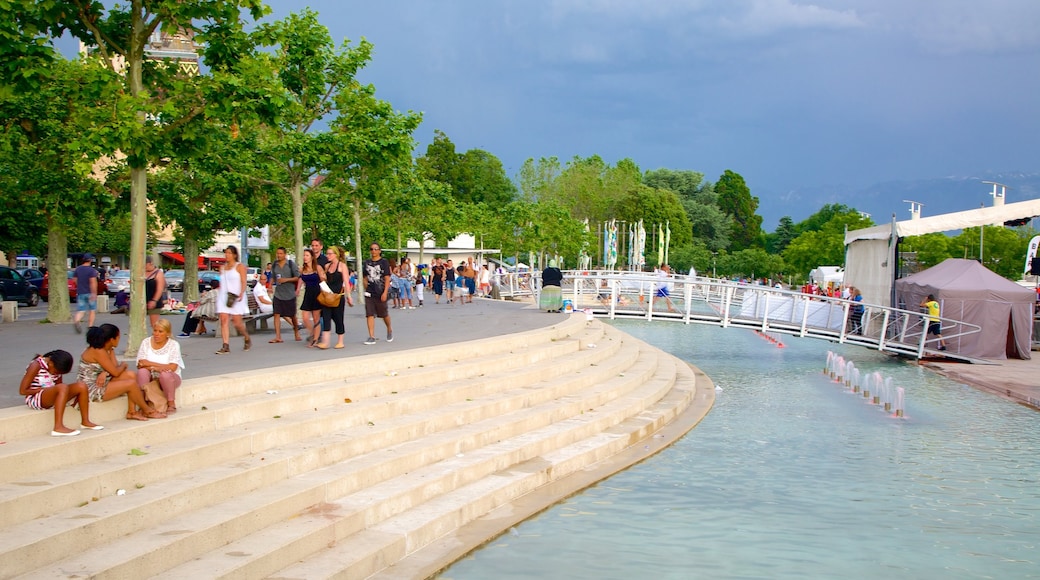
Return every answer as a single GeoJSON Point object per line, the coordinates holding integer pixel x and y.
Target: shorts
{"type": "Point", "coordinates": [376, 307]}
{"type": "Point", "coordinates": [395, 293]}
{"type": "Point", "coordinates": [935, 328]}
{"type": "Point", "coordinates": [662, 293]}
{"type": "Point", "coordinates": [86, 302]}
{"type": "Point", "coordinates": [284, 307]}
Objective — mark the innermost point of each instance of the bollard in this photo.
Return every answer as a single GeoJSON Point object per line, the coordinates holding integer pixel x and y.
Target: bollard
{"type": "Point", "coordinates": [10, 311]}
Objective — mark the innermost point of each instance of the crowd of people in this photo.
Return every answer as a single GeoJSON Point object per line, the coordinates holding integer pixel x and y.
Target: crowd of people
{"type": "Point", "coordinates": [311, 297]}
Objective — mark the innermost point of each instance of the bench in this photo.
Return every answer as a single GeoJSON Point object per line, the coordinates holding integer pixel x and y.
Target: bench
{"type": "Point", "coordinates": [255, 317]}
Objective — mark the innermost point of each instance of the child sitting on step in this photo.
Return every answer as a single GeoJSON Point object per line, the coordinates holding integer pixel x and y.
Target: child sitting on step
{"type": "Point", "coordinates": [43, 388]}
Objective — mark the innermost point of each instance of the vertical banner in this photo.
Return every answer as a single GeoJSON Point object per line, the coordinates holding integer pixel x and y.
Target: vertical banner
{"type": "Point", "coordinates": [667, 239]}
{"type": "Point", "coordinates": [1031, 252]}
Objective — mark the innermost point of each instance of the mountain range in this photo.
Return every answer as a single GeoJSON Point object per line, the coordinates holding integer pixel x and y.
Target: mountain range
{"type": "Point", "coordinates": [939, 195]}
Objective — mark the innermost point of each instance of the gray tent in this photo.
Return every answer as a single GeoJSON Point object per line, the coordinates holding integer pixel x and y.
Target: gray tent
{"type": "Point", "coordinates": [967, 291]}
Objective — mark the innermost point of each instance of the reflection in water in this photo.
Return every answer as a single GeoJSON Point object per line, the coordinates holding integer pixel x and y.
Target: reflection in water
{"type": "Point", "coordinates": [791, 476]}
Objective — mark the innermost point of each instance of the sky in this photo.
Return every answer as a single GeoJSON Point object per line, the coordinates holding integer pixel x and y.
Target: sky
{"type": "Point", "coordinates": [790, 94]}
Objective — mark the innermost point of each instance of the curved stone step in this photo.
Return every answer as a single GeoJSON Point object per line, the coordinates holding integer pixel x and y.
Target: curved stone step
{"type": "Point", "coordinates": [141, 508]}
{"type": "Point", "coordinates": [288, 498]}
{"type": "Point", "coordinates": [423, 491]}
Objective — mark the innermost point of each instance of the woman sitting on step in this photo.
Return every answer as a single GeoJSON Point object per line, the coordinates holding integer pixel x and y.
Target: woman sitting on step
{"type": "Point", "coordinates": [107, 378]}
{"type": "Point", "coordinates": [159, 359]}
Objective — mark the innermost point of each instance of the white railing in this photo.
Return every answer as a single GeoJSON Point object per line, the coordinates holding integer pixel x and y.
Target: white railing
{"type": "Point", "coordinates": [700, 300]}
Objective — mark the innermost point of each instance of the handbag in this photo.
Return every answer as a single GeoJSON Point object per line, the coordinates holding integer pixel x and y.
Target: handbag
{"type": "Point", "coordinates": [231, 299]}
{"type": "Point", "coordinates": [329, 299]}
{"type": "Point", "coordinates": [155, 396]}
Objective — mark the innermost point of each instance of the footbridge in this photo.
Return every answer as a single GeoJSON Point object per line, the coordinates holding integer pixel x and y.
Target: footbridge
{"type": "Point", "coordinates": [728, 304]}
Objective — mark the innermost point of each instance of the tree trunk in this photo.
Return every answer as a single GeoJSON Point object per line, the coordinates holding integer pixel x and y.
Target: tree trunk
{"type": "Point", "coordinates": [297, 214]}
{"type": "Point", "coordinates": [138, 191]}
{"type": "Point", "coordinates": [191, 269]}
{"type": "Point", "coordinates": [138, 239]}
{"type": "Point", "coordinates": [58, 286]}
{"type": "Point", "coordinates": [357, 246]}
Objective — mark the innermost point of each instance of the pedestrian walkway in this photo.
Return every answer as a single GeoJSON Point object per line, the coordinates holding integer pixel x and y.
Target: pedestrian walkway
{"type": "Point", "coordinates": [433, 324]}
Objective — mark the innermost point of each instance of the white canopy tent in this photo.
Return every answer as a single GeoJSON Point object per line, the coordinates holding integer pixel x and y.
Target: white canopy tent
{"type": "Point", "coordinates": [871, 263]}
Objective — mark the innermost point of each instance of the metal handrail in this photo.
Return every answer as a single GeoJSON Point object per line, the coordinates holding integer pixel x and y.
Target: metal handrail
{"type": "Point", "coordinates": [702, 300]}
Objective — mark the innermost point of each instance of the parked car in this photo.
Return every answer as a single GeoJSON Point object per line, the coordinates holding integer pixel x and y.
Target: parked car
{"type": "Point", "coordinates": [14, 286]}
{"type": "Point", "coordinates": [118, 281]}
{"type": "Point", "coordinates": [34, 276]}
{"type": "Point", "coordinates": [252, 276]}
{"type": "Point", "coordinates": [70, 276]}
{"type": "Point", "coordinates": [205, 278]}
{"type": "Point", "coordinates": [175, 280]}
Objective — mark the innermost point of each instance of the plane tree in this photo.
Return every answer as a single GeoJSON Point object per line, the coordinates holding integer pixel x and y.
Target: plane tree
{"type": "Point", "coordinates": [156, 103]}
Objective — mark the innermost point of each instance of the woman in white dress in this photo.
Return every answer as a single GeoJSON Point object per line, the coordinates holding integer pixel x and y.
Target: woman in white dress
{"type": "Point", "coordinates": [231, 299]}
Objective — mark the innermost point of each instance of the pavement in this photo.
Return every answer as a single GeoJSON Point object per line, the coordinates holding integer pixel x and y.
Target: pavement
{"type": "Point", "coordinates": [1014, 379]}
{"type": "Point", "coordinates": [433, 324]}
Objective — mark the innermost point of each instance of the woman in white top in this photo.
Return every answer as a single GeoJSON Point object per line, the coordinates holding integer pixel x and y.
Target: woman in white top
{"type": "Point", "coordinates": [159, 358]}
{"type": "Point", "coordinates": [232, 308]}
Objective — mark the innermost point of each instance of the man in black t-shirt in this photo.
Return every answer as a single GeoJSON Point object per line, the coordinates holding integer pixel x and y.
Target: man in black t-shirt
{"type": "Point", "coordinates": [376, 271]}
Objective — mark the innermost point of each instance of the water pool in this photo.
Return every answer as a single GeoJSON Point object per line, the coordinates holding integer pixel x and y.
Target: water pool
{"type": "Point", "coordinates": [790, 476]}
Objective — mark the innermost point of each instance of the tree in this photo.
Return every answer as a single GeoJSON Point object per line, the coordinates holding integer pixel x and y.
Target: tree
{"type": "Point", "coordinates": [778, 241]}
{"type": "Point", "coordinates": [309, 75]}
{"type": "Point", "coordinates": [374, 144]}
{"type": "Point", "coordinates": [687, 184]}
{"type": "Point", "coordinates": [931, 249]}
{"type": "Point", "coordinates": [54, 186]}
{"type": "Point", "coordinates": [475, 176]}
{"type": "Point", "coordinates": [157, 101]}
{"type": "Point", "coordinates": [537, 180]}
{"type": "Point", "coordinates": [1003, 249]}
{"type": "Point", "coordinates": [656, 206]}
{"type": "Point", "coordinates": [736, 201]}
{"type": "Point", "coordinates": [200, 197]}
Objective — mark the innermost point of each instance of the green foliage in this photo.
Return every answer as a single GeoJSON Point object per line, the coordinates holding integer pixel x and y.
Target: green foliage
{"type": "Point", "coordinates": [736, 201]}
{"type": "Point", "coordinates": [656, 206]}
{"type": "Point", "coordinates": [931, 249]}
{"type": "Point", "coordinates": [687, 184]}
{"type": "Point", "coordinates": [474, 177]}
{"type": "Point", "coordinates": [537, 180]}
{"type": "Point", "coordinates": [778, 241]}
{"type": "Point", "coordinates": [1003, 249]}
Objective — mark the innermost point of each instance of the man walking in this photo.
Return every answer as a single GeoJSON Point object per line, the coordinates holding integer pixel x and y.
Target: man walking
{"type": "Point", "coordinates": [377, 286]}
{"type": "Point", "coordinates": [934, 325]}
{"type": "Point", "coordinates": [285, 274]}
{"type": "Point", "coordinates": [86, 292]}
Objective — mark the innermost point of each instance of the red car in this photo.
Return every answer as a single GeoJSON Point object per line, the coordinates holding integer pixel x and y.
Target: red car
{"type": "Point", "coordinates": [45, 289]}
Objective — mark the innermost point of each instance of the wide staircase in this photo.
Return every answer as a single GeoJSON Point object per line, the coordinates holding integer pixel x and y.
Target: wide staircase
{"type": "Point", "coordinates": [371, 465]}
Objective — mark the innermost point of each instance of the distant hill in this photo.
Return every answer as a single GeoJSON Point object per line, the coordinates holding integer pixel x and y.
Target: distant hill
{"type": "Point", "coordinates": [939, 195]}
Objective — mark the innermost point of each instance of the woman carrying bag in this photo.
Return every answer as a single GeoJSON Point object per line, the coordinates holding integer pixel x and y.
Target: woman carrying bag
{"type": "Point", "coordinates": [337, 279]}
{"type": "Point", "coordinates": [231, 299]}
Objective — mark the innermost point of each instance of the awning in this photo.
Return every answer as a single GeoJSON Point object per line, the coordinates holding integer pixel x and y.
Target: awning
{"type": "Point", "coordinates": [179, 258]}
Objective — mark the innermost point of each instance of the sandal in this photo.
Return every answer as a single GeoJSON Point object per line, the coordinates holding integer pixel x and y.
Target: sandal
{"type": "Point", "coordinates": [153, 414]}
{"type": "Point", "coordinates": [135, 417]}
{"type": "Point", "coordinates": [171, 407]}
{"type": "Point", "coordinates": [247, 343]}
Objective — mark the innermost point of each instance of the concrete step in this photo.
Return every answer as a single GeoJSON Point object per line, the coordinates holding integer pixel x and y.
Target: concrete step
{"type": "Point", "coordinates": [25, 458]}
{"type": "Point", "coordinates": [180, 475]}
{"type": "Point", "coordinates": [166, 499]}
{"type": "Point", "coordinates": [595, 435]}
{"type": "Point", "coordinates": [422, 490]}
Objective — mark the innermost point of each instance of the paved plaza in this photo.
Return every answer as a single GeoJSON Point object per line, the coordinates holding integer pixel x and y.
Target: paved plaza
{"type": "Point", "coordinates": [433, 324]}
